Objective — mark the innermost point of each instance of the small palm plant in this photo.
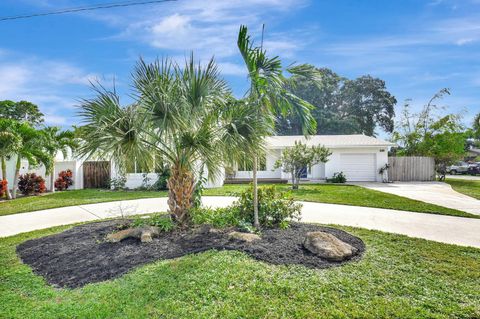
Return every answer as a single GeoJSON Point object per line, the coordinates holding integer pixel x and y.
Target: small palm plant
{"type": "Point", "coordinates": [55, 140]}
{"type": "Point", "coordinates": [269, 94]}
{"type": "Point", "coordinates": [9, 144]}
{"type": "Point", "coordinates": [183, 116]}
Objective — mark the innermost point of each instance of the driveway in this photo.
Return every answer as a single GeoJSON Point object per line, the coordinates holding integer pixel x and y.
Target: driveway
{"type": "Point", "coordinates": [437, 193]}
{"type": "Point", "coordinates": [445, 229]}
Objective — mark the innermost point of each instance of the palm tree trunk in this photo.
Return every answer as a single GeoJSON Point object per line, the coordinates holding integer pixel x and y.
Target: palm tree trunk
{"type": "Point", "coordinates": [256, 223]}
{"type": "Point", "coordinates": [52, 178]}
{"type": "Point", "coordinates": [15, 177]}
{"type": "Point", "coordinates": [4, 176]}
{"type": "Point", "coordinates": [181, 186]}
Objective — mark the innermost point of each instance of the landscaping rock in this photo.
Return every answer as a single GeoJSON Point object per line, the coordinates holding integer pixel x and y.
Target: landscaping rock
{"type": "Point", "coordinates": [145, 234]}
{"type": "Point", "coordinates": [327, 246]}
{"type": "Point", "coordinates": [246, 237]}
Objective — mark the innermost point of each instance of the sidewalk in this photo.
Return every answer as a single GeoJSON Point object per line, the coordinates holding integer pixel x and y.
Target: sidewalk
{"type": "Point", "coordinates": [445, 229]}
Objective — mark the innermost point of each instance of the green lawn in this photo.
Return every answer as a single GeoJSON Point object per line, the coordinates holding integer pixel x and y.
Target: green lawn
{"type": "Point", "coordinates": [325, 193]}
{"type": "Point", "coordinates": [467, 187]}
{"type": "Point", "coordinates": [352, 195]}
{"type": "Point", "coordinates": [399, 277]}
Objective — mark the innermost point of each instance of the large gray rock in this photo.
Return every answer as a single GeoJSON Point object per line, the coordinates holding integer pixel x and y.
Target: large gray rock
{"type": "Point", "coordinates": [246, 237]}
{"type": "Point", "coordinates": [327, 246]}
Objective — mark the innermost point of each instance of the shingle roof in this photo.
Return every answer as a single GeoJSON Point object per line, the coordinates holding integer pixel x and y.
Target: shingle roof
{"type": "Point", "coordinates": [330, 141]}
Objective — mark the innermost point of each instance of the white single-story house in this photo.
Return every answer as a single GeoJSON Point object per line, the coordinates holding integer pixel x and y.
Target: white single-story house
{"type": "Point", "coordinates": [359, 157]}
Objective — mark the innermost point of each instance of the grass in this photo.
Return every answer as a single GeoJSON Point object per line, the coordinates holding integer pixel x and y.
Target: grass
{"type": "Point", "coordinates": [352, 195]}
{"type": "Point", "coordinates": [70, 198]}
{"type": "Point", "coordinates": [467, 187]}
{"type": "Point", "coordinates": [324, 193]}
{"type": "Point", "coordinates": [399, 277]}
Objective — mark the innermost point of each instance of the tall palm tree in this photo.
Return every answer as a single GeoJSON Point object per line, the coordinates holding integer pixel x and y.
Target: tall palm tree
{"type": "Point", "coordinates": [183, 115]}
{"type": "Point", "coordinates": [269, 93]}
{"type": "Point", "coordinates": [30, 149]}
{"type": "Point", "coordinates": [55, 140]}
{"type": "Point", "coordinates": [9, 144]}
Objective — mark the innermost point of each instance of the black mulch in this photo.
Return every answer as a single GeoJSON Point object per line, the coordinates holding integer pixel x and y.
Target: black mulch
{"type": "Point", "coordinates": [80, 255]}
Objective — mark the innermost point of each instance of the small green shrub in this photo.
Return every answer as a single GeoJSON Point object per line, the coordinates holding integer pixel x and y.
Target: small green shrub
{"type": "Point", "coordinates": [219, 217]}
{"type": "Point", "coordinates": [337, 178]}
{"type": "Point", "coordinates": [275, 209]}
{"type": "Point", "coordinates": [162, 221]}
{"type": "Point", "coordinates": [117, 183]}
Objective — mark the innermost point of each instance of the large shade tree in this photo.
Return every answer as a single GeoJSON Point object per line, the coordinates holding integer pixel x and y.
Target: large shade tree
{"type": "Point", "coordinates": [183, 116]}
{"type": "Point", "coordinates": [341, 105]}
{"type": "Point", "coordinates": [22, 111]}
{"type": "Point", "coordinates": [269, 94]}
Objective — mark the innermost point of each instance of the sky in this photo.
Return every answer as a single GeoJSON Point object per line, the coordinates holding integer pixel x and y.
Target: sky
{"type": "Point", "coordinates": [417, 47]}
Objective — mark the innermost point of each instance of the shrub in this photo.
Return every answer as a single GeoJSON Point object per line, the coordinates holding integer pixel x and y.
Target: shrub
{"type": "Point", "coordinates": [161, 183]}
{"type": "Point", "coordinates": [31, 183]}
{"type": "Point", "coordinates": [117, 183]}
{"type": "Point", "coordinates": [3, 187]}
{"type": "Point", "coordinates": [337, 178]}
{"type": "Point", "coordinates": [64, 180]}
{"type": "Point", "coordinates": [275, 209]}
{"type": "Point", "coordinates": [162, 221]}
{"type": "Point", "coordinates": [219, 217]}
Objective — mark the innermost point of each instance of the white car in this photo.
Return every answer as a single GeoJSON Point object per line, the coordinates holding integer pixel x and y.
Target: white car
{"type": "Point", "coordinates": [458, 168]}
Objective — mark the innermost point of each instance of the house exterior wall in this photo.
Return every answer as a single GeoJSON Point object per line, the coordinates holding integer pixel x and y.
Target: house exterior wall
{"type": "Point", "coordinates": [334, 164]}
{"type": "Point", "coordinates": [322, 170]}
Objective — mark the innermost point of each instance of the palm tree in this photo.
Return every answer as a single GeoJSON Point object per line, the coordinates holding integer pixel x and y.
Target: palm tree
{"type": "Point", "coordinates": [31, 149]}
{"type": "Point", "coordinates": [184, 116]}
{"type": "Point", "coordinates": [269, 93]}
{"type": "Point", "coordinates": [55, 140]}
{"type": "Point", "coordinates": [9, 144]}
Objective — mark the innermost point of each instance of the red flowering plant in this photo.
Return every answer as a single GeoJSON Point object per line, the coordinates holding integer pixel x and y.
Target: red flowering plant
{"type": "Point", "coordinates": [3, 187]}
{"type": "Point", "coordinates": [64, 180]}
{"type": "Point", "coordinates": [31, 183]}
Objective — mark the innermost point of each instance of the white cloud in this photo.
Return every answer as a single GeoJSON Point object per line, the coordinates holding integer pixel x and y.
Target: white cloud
{"type": "Point", "coordinates": [52, 85]}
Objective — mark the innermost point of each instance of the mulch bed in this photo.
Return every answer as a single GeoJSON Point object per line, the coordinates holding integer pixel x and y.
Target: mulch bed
{"type": "Point", "coordinates": [80, 255]}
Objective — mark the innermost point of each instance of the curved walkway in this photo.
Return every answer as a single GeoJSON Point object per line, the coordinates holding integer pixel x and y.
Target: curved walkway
{"type": "Point", "coordinates": [446, 229]}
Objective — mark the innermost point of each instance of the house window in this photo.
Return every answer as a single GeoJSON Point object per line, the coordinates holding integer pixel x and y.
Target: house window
{"type": "Point", "coordinates": [246, 164]}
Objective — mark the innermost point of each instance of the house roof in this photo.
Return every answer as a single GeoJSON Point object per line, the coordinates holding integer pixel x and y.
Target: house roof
{"type": "Point", "coordinates": [330, 141]}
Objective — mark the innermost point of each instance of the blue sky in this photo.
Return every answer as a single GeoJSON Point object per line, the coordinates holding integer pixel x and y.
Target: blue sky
{"type": "Point", "coordinates": [417, 47]}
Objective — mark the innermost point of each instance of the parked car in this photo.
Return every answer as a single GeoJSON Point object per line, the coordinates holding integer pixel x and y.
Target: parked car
{"type": "Point", "coordinates": [474, 169]}
{"type": "Point", "coordinates": [458, 168]}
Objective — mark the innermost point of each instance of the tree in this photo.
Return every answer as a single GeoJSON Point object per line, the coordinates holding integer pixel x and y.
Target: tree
{"type": "Point", "coordinates": [343, 106]}
{"type": "Point", "coordinates": [300, 157]}
{"type": "Point", "coordinates": [22, 111]}
{"type": "Point", "coordinates": [183, 116]}
{"type": "Point", "coordinates": [270, 96]}
{"type": "Point", "coordinates": [429, 134]}
{"type": "Point", "coordinates": [476, 126]}
{"type": "Point", "coordinates": [31, 149]}
{"type": "Point", "coordinates": [54, 140]}
{"type": "Point", "coordinates": [9, 144]}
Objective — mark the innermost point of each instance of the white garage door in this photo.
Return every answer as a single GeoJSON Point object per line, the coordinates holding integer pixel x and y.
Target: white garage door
{"type": "Point", "coordinates": [358, 167]}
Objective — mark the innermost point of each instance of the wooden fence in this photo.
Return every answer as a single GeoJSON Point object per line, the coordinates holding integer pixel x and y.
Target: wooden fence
{"type": "Point", "coordinates": [411, 168]}
{"type": "Point", "coordinates": [96, 174]}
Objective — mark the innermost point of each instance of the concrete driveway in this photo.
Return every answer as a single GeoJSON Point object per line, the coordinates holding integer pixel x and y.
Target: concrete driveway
{"type": "Point", "coordinates": [437, 193]}
{"type": "Point", "coordinates": [445, 229]}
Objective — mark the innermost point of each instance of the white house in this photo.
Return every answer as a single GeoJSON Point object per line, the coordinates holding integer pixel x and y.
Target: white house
{"type": "Point", "coordinates": [359, 157]}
